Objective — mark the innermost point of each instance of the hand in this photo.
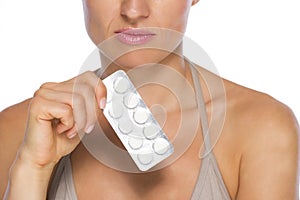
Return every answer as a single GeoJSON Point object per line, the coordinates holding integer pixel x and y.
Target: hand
{"type": "Point", "coordinates": [57, 113]}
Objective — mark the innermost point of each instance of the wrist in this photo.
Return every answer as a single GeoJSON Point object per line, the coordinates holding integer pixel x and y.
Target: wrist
{"type": "Point", "coordinates": [28, 180]}
{"type": "Point", "coordinates": [26, 168]}
{"type": "Point", "coordinates": [32, 158]}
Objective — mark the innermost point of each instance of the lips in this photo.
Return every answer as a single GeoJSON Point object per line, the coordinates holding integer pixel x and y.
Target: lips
{"type": "Point", "coordinates": [134, 36]}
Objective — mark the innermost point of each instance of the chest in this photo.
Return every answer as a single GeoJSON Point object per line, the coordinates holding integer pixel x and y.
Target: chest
{"type": "Point", "coordinates": [174, 182]}
{"type": "Point", "coordinates": [167, 184]}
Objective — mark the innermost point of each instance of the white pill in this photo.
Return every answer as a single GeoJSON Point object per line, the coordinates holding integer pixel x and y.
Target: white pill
{"type": "Point", "coordinates": [161, 146]}
{"type": "Point", "coordinates": [125, 126]}
{"type": "Point", "coordinates": [145, 157]}
{"type": "Point", "coordinates": [135, 143]}
{"type": "Point", "coordinates": [121, 85]}
{"type": "Point", "coordinates": [115, 110]}
{"type": "Point", "coordinates": [140, 116]}
{"type": "Point", "coordinates": [131, 100]}
{"type": "Point", "coordinates": [151, 131]}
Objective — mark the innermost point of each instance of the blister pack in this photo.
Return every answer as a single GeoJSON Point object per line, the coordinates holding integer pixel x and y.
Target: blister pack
{"type": "Point", "coordinates": [133, 122]}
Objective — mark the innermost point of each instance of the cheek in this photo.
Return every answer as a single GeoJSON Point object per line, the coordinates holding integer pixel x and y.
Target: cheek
{"type": "Point", "coordinates": [174, 15]}
{"type": "Point", "coordinates": [98, 18]}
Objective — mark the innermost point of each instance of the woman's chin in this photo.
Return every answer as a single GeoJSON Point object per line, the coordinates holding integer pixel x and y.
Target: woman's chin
{"type": "Point", "coordinates": [140, 57]}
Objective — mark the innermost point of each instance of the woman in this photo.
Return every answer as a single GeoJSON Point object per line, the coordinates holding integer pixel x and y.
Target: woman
{"type": "Point", "coordinates": [255, 156]}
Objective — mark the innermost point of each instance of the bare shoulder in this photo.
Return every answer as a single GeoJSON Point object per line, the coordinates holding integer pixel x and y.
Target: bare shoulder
{"type": "Point", "coordinates": [259, 115]}
{"type": "Point", "coordinates": [267, 133]}
{"type": "Point", "coordinates": [252, 113]}
{"type": "Point", "coordinates": [14, 118]}
{"type": "Point", "coordinates": [12, 127]}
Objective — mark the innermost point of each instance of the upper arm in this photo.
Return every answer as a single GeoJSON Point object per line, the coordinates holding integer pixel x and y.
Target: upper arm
{"type": "Point", "coordinates": [12, 128]}
{"type": "Point", "coordinates": [269, 163]}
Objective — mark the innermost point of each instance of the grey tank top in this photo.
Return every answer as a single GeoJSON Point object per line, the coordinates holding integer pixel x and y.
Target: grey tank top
{"type": "Point", "coordinates": [209, 185]}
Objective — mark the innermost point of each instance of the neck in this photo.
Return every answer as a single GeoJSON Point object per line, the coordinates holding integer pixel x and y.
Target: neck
{"type": "Point", "coordinates": [159, 83]}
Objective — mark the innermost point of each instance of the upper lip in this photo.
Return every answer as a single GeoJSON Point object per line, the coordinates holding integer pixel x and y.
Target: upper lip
{"type": "Point", "coordinates": [135, 31]}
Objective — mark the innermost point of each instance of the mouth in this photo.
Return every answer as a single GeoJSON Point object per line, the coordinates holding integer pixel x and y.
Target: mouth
{"type": "Point", "coordinates": [136, 36]}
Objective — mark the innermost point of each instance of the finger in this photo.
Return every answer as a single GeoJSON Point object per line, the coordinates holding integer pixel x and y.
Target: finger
{"type": "Point", "coordinates": [75, 101]}
{"type": "Point", "coordinates": [89, 78]}
{"type": "Point", "coordinates": [44, 111]}
{"type": "Point", "coordinates": [72, 133]}
{"type": "Point", "coordinates": [101, 94]}
{"type": "Point", "coordinates": [88, 94]}
{"type": "Point", "coordinates": [89, 86]}
{"type": "Point", "coordinates": [48, 85]}
{"type": "Point", "coordinates": [100, 90]}
{"type": "Point", "coordinates": [92, 88]}
{"type": "Point", "coordinates": [79, 111]}
{"type": "Point", "coordinates": [55, 95]}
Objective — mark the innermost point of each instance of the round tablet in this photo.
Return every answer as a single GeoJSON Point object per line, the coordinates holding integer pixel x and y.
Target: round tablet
{"type": "Point", "coordinates": [145, 157]}
{"type": "Point", "coordinates": [131, 100]}
{"type": "Point", "coordinates": [121, 85]}
{"type": "Point", "coordinates": [135, 143]}
{"type": "Point", "coordinates": [151, 131]}
{"type": "Point", "coordinates": [140, 116]}
{"type": "Point", "coordinates": [161, 146]}
{"type": "Point", "coordinates": [116, 110]}
{"type": "Point", "coordinates": [125, 126]}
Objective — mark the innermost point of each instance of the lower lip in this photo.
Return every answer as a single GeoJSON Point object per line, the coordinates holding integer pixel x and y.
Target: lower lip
{"type": "Point", "coordinates": [131, 39]}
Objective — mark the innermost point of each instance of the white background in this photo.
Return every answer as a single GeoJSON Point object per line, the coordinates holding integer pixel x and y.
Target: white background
{"type": "Point", "coordinates": [254, 43]}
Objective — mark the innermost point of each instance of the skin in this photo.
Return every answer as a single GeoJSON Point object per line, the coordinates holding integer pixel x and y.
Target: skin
{"type": "Point", "coordinates": [257, 151]}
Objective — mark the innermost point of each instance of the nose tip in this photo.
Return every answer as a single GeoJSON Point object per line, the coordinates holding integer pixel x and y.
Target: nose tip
{"type": "Point", "coordinates": [134, 10]}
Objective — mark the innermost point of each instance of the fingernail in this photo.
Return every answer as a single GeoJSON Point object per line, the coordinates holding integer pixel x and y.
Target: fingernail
{"type": "Point", "coordinates": [102, 103]}
{"type": "Point", "coordinates": [89, 129]}
{"type": "Point", "coordinates": [72, 135]}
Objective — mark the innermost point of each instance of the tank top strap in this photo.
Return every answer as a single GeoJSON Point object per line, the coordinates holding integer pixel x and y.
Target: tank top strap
{"type": "Point", "coordinates": [210, 184]}
{"type": "Point", "coordinates": [201, 108]}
